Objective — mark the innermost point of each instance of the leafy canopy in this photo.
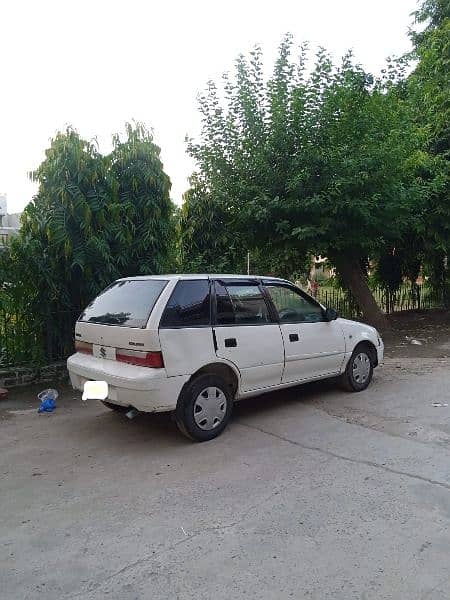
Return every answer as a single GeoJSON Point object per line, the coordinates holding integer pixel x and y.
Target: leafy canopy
{"type": "Point", "coordinates": [93, 219]}
{"type": "Point", "coordinates": [320, 158]}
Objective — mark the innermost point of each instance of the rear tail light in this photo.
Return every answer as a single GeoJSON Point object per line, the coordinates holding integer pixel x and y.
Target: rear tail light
{"type": "Point", "coordinates": [143, 359]}
{"type": "Point", "coordinates": [83, 347]}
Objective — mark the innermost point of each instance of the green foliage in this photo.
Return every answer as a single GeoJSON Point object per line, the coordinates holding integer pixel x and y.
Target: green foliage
{"type": "Point", "coordinates": [95, 218]}
{"type": "Point", "coordinates": [211, 241]}
{"type": "Point", "coordinates": [426, 238]}
{"type": "Point", "coordinates": [322, 159]}
{"type": "Point", "coordinates": [322, 163]}
{"type": "Point", "coordinates": [207, 242]}
{"type": "Point", "coordinates": [143, 213]}
{"type": "Point", "coordinates": [389, 271]}
{"type": "Point", "coordinates": [429, 84]}
{"type": "Point", "coordinates": [428, 89]}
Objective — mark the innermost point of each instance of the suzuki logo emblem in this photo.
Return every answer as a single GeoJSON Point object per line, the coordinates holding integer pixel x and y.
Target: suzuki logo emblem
{"type": "Point", "coordinates": [102, 352]}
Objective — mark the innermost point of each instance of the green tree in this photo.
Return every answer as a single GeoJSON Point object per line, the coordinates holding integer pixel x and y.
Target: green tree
{"type": "Point", "coordinates": [429, 83]}
{"type": "Point", "coordinates": [142, 236]}
{"type": "Point", "coordinates": [207, 242]}
{"type": "Point", "coordinates": [428, 89]}
{"type": "Point", "coordinates": [213, 234]}
{"type": "Point", "coordinates": [94, 218]}
{"type": "Point", "coordinates": [66, 223]}
{"type": "Point", "coordinates": [321, 163]}
{"type": "Point", "coordinates": [210, 241]}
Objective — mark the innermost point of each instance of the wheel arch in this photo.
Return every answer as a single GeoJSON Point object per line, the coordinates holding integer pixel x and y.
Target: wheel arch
{"type": "Point", "coordinates": [222, 369]}
{"type": "Point", "coordinates": [370, 346]}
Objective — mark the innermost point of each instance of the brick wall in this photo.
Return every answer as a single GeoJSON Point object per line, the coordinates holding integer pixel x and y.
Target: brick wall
{"type": "Point", "coordinates": [15, 376]}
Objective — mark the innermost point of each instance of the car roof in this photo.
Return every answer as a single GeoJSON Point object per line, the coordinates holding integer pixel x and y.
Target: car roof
{"type": "Point", "coordinates": [203, 276]}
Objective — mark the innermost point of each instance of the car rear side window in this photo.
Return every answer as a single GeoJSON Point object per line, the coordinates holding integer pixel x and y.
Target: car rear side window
{"type": "Point", "coordinates": [241, 304]}
{"type": "Point", "coordinates": [126, 303]}
{"type": "Point", "coordinates": [224, 308]}
{"type": "Point", "coordinates": [189, 305]}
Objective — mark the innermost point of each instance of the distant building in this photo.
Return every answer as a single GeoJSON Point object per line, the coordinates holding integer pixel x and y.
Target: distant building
{"type": "Point", "coordinates": [9, 224]}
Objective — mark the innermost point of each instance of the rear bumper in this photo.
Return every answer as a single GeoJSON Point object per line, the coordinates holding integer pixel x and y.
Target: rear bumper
{"type": "Point", "coordinates": [148, 390]}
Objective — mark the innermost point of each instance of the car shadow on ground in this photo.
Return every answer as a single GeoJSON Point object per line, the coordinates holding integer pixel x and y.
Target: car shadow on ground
{"type": "Point", "coordinates": [300, 395]}
{"type": "Point", "coordinates": [113, 432]}
{"type": "Point", "coordinates": [92, 425]}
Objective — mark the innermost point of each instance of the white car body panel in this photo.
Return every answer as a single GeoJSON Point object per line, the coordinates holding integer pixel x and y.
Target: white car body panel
{"type": "Point", "coordinates": [356, 332]}
{"type": "Point", "coordinates": [186, 350]}
{"type": "Point", "coordinates": [115, 336]}
{"type": "Point", "coordinates": [319, 351]}
{"type": "Point", "coordinates": [259, 354]}
{"type": "Point", "coordinates": [148, 390]}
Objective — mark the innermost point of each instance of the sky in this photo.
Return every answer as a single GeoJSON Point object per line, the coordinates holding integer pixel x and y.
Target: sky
{"type": "Point", "coordinates": [96, 64]}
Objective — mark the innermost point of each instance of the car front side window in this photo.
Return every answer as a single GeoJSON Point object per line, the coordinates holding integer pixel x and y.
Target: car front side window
{"type": "Point", "coordinates": [292, 306]}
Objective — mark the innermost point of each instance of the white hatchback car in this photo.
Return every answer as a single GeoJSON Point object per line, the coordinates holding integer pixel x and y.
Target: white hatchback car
{"type": "Point", "coordinates": [193, 344]}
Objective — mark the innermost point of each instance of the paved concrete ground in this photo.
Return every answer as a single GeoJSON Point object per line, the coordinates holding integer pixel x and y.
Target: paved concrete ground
{"type": "Point", "coordinates": [310, 493]}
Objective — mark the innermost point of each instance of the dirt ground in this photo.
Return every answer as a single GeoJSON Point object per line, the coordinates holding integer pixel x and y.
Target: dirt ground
{"type": "Point", "coordinates": [431, 328]}
{"type": "Point", "coordinates": [310, 493]}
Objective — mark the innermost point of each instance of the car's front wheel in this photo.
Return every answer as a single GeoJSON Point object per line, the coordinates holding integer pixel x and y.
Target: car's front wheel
{"type": "Point", "coordinates": [359, 371]}
{"type": "Point", "coordinates": [204, 408]}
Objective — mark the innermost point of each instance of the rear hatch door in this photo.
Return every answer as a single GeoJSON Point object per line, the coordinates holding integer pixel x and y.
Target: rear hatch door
{"type": "Point", "coordinates": [117, 318]}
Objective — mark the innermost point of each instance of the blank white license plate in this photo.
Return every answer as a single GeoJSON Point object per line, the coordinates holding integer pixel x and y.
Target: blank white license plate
{"type": "Point", "coordinates": [95, 390]}
{"type": "Point", "coordinates": [104, 352]}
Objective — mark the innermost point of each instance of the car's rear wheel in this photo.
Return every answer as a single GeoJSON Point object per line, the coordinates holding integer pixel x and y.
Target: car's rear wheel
{"type": "Point", "coordinates": [204, 408]}
{"type": "Point", "coordinates": [359, 370]}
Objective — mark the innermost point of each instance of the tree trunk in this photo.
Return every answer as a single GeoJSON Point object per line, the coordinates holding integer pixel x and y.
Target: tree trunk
{"type": "Point", "coordinates": [353, 277]}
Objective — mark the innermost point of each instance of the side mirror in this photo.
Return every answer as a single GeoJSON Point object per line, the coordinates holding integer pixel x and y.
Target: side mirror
{"type": "Point", "coordinates": [330, 314]}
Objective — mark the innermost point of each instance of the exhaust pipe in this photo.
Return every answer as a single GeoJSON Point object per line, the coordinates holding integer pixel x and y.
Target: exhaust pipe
{"type": "Point", "coordinates": [132, 413]}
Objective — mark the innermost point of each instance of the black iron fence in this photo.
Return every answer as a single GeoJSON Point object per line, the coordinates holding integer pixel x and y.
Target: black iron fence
{"type": "Point", "coordinates": [417, 297]}
{"type": "Point", "coordinates": [48, 337]}
{"type": "Point", "coordinates": [35, 340]}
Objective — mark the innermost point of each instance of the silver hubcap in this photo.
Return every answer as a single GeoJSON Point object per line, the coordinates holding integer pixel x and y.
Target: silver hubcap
{"type": "Point", "coordinates": [361, 367]}
{"type": "Point", "coordinates": [209, 408]}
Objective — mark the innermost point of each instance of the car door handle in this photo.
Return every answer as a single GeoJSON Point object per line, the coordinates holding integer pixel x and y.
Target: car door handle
{"type": "Point", "coordinates": [293, 337]}
{"type": "Point", "coordinates": [230, 343]}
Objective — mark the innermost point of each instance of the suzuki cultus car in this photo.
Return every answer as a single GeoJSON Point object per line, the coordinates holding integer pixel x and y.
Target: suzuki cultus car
{"type": "Point", "coordinates": [195, 344]}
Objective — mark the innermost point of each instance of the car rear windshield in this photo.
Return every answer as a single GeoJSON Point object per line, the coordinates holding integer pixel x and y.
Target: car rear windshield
{"type": "Point", "coordinates": [126, 303]}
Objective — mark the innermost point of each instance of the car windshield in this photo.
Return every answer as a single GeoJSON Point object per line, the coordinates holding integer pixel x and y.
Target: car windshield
{"type": "Point", "coordinates": [125, 303]}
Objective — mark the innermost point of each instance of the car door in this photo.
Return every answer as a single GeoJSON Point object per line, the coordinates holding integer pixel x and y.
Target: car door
{"type": "Point", "coordinates": [313, 347]}
{"type": "Point", "coordinates": [245, 333]}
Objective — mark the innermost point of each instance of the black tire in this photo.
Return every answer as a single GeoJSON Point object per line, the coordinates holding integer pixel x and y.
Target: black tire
{"type": "Point", "coordinates": [355, 378]}
{"type": "Point", "coordinates": [115, 407]}
{"type": "Point", "coordinates": [187, 415]}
